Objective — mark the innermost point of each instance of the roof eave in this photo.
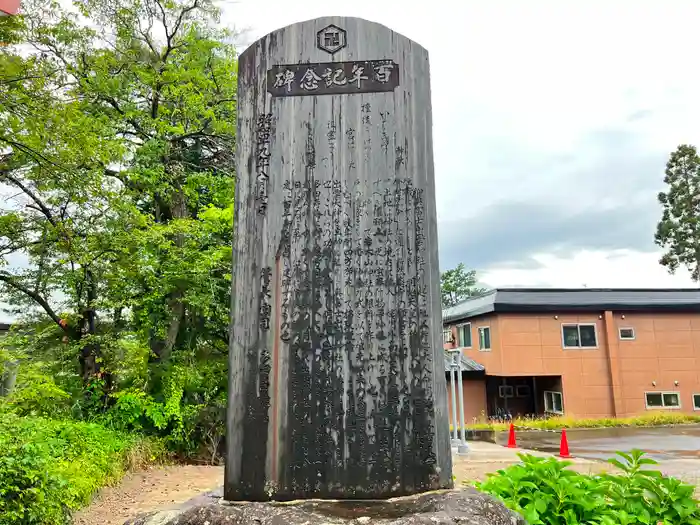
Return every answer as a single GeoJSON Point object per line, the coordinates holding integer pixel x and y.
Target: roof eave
{"type": "Point", "coordinates": [535, 308]}
{"type": "Point", "coordinates": [483, 310]}
{"type": "Point", "coordinates": [573, 307]}
{"type": "Point", "coordinates": [471, 373]}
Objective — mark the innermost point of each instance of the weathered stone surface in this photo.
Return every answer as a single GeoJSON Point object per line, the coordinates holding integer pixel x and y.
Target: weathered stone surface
{"type": "Point", "coordinates": [465, 507]}
{"type": "Point", "coordinates": [337, 386]}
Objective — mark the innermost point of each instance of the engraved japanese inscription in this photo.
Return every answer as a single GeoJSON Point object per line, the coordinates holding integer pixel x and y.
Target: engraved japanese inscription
{"type": "Point", "coordinates": [333, 78]}
{"type": "Point", "coordinates": [336, 385]}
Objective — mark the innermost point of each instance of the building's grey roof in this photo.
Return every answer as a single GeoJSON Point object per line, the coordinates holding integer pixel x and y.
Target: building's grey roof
{"type": "Point", "coordinates": [514, 300]}
{"type": "Point", "coordinates": [468, 365]}
{"type": "Point", "coordinates": [472, 307]}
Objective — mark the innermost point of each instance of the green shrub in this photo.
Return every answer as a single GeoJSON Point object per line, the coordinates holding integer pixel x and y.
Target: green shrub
{"type": "Point", "coordinates": [37, 394]}
{"type": "Point", "coordinates": [48, 468]}
{"type": "Point", "coordinates": [181, 402]}
{"type": "Point", "coordinates": [29, 489]}
{"type": "Point", "coordinates": [188, 414]}
{"type": "Point", "coordinates": [546, 492]}
{"type": "Point", "coordinates": [39, 389]}
{"type": "Point", "coordinates": [188, 430]}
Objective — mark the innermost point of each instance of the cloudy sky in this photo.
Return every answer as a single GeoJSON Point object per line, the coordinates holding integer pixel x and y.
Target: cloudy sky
{"type": "Point", "coordinates": [553, 121]}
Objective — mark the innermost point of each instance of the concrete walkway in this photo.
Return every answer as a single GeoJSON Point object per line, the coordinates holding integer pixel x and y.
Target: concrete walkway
{"type": "Point", "coordinates": [484, 458]}
{"type": "Point", "coordinates": [676, 449]}
{"type": "Point", "coordinates": [482, 451]}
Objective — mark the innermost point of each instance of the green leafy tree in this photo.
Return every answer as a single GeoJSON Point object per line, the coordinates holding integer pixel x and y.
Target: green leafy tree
{"type": "Point", "coordinates": [458, 284]}
{"type": "Point", "coordinates": [117, 138]}
{"type": "Point", "coordinates": [678, 231]}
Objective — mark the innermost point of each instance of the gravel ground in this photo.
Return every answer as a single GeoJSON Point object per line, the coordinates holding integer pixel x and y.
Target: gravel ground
{"type": "Point", "coordinates": [165, 487]}
{"type": "Point", "coordinates": [147, 490]}
{"type": "Point", "coordinates": [161, 488]}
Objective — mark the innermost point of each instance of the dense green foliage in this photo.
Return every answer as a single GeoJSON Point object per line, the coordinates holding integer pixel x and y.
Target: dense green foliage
{"type": "Point", "coordinates": [458, 284]}
{"type": "Point", "coordinates": [546, 492]}
{"type": "Point", "coordinates": [117, 133]}
{"type": "Point", "coordinates": [678, 231]}
{"type": "Point", "coordinates": [50, 468]}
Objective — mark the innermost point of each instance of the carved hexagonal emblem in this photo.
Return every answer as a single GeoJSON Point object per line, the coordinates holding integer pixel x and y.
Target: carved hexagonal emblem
{"type": "Point", "coordinates": [331, 39]}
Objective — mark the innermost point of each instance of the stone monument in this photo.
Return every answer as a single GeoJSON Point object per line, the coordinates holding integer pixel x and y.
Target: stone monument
{"type": "Point", "coordinates": [337, 385]}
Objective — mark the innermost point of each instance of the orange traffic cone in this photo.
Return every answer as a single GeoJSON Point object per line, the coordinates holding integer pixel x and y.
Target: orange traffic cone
{"type": "Point", "coordinates": [511, 437]}
{"type": "Point", "coordinates": [564, 446]}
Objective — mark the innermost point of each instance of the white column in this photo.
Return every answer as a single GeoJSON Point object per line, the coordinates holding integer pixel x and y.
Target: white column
{"type": "Point", "coordinates": [462, 448]}
{"type": "Point", "coordinates": [455, 421]}
{"type": "Point", "coordinates": [461, 402]}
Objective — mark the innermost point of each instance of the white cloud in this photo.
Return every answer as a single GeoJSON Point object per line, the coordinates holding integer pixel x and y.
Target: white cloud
{"type": "Point", "coordinates": [527, 97]}
{"type": "Point", "coordinates": [517, 85]}
{"type": "Point", "coordinates": [592, 269]}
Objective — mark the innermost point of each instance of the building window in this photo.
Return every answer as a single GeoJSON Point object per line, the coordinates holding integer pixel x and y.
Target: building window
{"type": "Point", "coordinates": [455, 356]}
{"type": "Point", "coordinates": [626, 334]}
{"type": "Point", "coordinates": [579, 336]}
{"type": "Point", "coordinates": [696, 401]}
{"type": "Point", "coordinates": [447, 335]}
{"type": "Point", "coordinates": [663, 399]}
{"type": "Point", "coordinates": [553, 402]}
{"type": "Point", "coordinates": [484, 338]}
{"type": "Point", "coordinates": [464, 335]}
{"type": "Point", "coordinates": [522, 391]}
{"type": "Point", "coordinates": [505, 391]}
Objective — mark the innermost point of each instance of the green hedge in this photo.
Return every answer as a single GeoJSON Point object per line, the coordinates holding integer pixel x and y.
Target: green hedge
{"type": "Point", "coordinates": [49, 468]}
{"type": "Point", "coordinates": [656, 419]}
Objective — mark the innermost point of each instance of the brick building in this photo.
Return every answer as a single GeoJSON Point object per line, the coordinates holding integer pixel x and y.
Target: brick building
{"type": "Point", "coordinates": [579, 352]}
{"type": "Point", "coordinates": [9, 7]}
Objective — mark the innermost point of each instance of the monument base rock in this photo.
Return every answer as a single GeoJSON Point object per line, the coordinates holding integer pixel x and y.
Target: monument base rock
{"type": "Point", "coordinates": [464, 507]}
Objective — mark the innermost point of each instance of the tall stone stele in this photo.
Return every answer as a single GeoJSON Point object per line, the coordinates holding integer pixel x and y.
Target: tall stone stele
{"type": "Point", "coordinates": [337, 383]}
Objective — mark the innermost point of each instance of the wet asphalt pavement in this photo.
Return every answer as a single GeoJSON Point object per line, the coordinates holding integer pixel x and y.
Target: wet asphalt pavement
{"type": "Point", "coordinates": [677, 449]}
{"type": "Point", "coordinates": [660, 443]}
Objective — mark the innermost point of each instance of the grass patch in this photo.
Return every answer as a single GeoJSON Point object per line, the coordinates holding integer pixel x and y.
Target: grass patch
{"type": "Point", "coordinates": [50, 468]}
{"type": "Point", "coordinates": [557, 423]}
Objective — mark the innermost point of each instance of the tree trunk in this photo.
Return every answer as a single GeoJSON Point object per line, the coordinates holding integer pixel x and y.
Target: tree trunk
{"type": "Point", "coordinates": [91, 354]}
{"type": "Point", "coordinates": [119, 322]}
{"type": "Point", "coordinates": [162, 348]}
